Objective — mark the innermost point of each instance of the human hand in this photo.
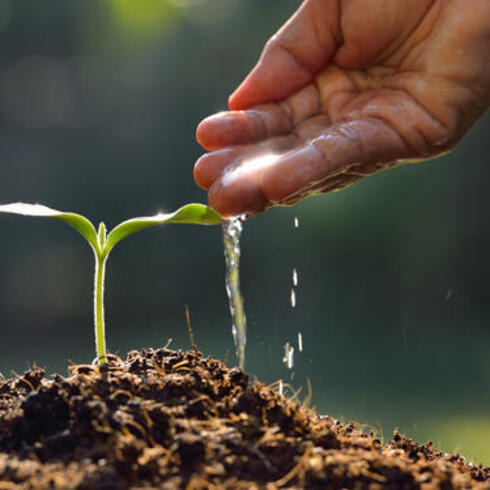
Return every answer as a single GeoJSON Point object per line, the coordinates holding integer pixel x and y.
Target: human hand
{"type": "Point", "coordinates": [344, 89]}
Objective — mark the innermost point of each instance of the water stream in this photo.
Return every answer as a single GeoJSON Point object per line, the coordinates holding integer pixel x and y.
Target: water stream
{"type": "Point", "coordinates": [232, 230]}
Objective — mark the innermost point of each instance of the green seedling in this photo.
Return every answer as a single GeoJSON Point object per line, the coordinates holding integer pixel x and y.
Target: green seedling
{"type": "Point", "coordinates": [102, 243]}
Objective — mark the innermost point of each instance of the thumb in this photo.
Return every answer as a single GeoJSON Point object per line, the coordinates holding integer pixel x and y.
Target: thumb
{"type": "Point", "coordinates": [292, 57]}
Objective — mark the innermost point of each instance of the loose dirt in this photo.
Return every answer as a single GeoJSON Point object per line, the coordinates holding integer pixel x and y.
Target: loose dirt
{"type": "Point", "coordinates": [174, 419]}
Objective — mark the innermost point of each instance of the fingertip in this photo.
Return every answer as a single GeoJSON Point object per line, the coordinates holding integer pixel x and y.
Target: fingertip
{"type": "Point", "coordinates": [276, 76]}
{"type": "Point", "coordinates": [236, 198]}
{"type": "Point", "coordinates": [200, 133]}
{"type": "Point", "coordinates": [236, 101]}
{"type": "Point", "coordinates": [248, 94]}
{"type": "Point", "coordinates": [210, 165]}
{"type": "Point", "coordinates": [199, 174]}
{"type": "Point", "coordinates": [235, 128]}
{"type": "Point", "coordinates": [206, 133]}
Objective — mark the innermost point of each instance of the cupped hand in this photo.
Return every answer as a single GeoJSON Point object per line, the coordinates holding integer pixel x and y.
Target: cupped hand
{"type": "Point", "coordinates": [344, 89]}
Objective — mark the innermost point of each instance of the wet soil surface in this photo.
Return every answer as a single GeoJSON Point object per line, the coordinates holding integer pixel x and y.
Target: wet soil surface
{"type": "Point", "coordinates": [168, 419]}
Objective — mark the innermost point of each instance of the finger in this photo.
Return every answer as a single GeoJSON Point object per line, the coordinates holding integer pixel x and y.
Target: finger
{"type": "Point", "coordinates": [209, 166]}
{"type": "Point", "coordinates": [243, 127]}
{"type": "Point", "coordinates": [293, 56]}
{"type": "Point", "coordinates": [260, 122]}
{"type": "Point", "coordinates": [253, 185]}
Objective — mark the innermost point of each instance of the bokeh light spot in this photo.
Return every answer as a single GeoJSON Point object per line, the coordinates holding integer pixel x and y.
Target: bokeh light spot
{"type": "Point", "coordinates": [143, 18]}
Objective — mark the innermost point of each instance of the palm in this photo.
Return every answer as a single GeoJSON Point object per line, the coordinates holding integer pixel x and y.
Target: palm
{"type": "Point", "coordinates": [405, 82]}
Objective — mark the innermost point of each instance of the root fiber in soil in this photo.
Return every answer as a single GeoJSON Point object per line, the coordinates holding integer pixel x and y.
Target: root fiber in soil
{"type": "Point", "coordinates": [174, 419]}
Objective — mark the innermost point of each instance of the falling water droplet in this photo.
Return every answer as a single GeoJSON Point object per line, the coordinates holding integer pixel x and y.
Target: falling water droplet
{"type": "Point", "coordinates": [296, 222]}
{"type": "Point", "coordinates": [281, 387]}
{"type": "Point", "coordinates": [293, 298]}
{"type": "Point", "coordinates": [288, 358]}
{"type": "Point", "coordinates": [295, 277]}
{"type": "Point", "coordinates": [300, 342]}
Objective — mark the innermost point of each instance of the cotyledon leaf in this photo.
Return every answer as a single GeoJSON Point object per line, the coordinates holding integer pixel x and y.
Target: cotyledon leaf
{"type": "Point", "coordinates": [197, 214]}
{"type": "Point", "coordinates": [80, 223]}
{"type": "Point", "coordinates": [103, 243]}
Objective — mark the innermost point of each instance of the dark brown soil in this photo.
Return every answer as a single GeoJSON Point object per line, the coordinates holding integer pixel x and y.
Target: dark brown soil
{"type": "Point", "coordinates": [167, 419]}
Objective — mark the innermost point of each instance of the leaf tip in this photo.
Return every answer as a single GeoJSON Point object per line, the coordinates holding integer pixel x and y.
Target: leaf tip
{"type": "Point", "coordinates": [211, 216]}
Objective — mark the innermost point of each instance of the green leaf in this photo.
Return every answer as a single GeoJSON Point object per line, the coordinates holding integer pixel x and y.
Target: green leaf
{"type": "Point", "coordinates": [80, 223]}
{"type": "Point", "coordinates": [197, 214]}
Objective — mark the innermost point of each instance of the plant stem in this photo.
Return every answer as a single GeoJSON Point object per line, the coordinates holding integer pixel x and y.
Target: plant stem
{"type": "Point", "coordinates": [100, 261]}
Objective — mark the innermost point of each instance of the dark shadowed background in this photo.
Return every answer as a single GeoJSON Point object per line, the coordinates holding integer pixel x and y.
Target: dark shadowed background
{"type": "Point", "coordinates": [98, 106]}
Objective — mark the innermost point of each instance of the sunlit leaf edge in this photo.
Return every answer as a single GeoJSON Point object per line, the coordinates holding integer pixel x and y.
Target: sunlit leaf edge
{"type": "Point", "coordinates": [77, 221]}
{"type": "Point", "coordinates": [198, 214]}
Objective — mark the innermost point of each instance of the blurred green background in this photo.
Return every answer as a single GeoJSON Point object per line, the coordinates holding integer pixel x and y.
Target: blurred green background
{"type": "Point", "coordinates": [98, 106]}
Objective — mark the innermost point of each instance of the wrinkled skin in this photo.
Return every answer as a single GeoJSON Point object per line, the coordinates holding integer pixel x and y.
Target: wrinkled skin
{"type": "Point", "coordinates": [344, 89]}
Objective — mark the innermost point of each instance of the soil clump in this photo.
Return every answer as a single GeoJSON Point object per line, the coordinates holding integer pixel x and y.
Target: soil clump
{"type": "Point", "coordinates": [175, 419]}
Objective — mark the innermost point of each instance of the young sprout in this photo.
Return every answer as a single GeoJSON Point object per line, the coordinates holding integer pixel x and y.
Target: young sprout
{"type": "Point", "coordinates": [102, 243]}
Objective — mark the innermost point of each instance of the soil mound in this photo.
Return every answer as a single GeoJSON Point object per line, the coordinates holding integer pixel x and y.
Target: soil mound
{"type": "Point", "coordinates": [168, 419]}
